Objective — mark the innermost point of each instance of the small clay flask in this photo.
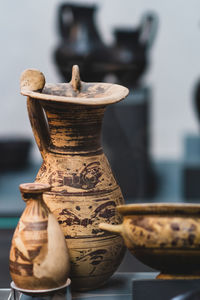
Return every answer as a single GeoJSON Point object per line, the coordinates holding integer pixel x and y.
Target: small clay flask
{"type": "Point", "coordinates": [39, 256]}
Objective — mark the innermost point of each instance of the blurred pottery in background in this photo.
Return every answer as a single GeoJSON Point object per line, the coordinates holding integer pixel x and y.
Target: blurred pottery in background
{"type": "Point", "coordinates": [197, 100]}
{"type": "Point", "coordinates": [130, 160]}
{"type": "Point", "coordinates": [81, 42]}
{"type": "Point", "coordinates": [14, 153]}
{"type": "Point", "coordinates": [66, 119]}
{"type": "Point", "coordinates": [39, 257]}
{"type": "Point", "coordinates": [191, 161]}
{"type": "Point", "coordinates": [130, 52]}
{"type": "Point", "coordinates": [165, 237]}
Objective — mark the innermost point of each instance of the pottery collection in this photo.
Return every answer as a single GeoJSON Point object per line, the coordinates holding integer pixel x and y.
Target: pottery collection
{"type": "Point", "coordinates": [131, 48]}
{"type": "Point", "coordinates": [75, 223]}
{"type": "Point", "coordinates": [66, 120]}
{"type": "Point", "coordinates": [165, 237]}
{"type": "Point", "coordinates": [39, 257]}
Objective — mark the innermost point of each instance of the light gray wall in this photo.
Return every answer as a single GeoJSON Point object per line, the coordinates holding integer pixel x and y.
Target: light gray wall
{"type": "Point", "coordinates": [28, 37]}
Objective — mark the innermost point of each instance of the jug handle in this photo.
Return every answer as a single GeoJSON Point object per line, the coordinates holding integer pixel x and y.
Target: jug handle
{"type": "Point", "coordinates": [39, 125]}
{"type": "Point", "coordinates": [148, 29]}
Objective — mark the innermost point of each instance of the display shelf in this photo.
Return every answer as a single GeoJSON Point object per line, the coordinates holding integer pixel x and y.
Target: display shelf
{"type": "Point", "coordinates": [118, 287]}
{"type": "Point", "coordinates": [126, 286]}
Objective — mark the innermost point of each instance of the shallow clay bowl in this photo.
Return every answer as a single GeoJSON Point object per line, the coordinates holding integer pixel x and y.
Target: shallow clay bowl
{"type": "Point", "coordinates": [165, 237]}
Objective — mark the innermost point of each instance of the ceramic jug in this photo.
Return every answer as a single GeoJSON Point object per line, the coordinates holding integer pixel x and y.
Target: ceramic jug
{"type": "Point", "coordinates": [66, 119]}
{"type": "Point", "coordinates": [39, 257]}
{"type": "Point", "coordinates": [131, 49]}
{"type": "Point", "coordinates": [80, 42]}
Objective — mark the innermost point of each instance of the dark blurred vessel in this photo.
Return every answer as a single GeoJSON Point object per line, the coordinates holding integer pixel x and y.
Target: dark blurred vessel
{"type": "Point", "coordinates": [197, 100]}
{"type": "Point", "coordinates": [130, 52]}
{"type": "Point", "coordinates": [191, 162]}
{"type": "Point", "coordinates": [129, 122]}
{"type": "Point", "coordinates": [80, 43]}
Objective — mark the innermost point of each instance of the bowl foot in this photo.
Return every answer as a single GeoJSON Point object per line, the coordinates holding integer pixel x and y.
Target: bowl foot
{"type": "Point", "coordinates": [178, 276]}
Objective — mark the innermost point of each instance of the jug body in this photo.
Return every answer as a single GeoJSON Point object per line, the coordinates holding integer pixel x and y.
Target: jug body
{"type": "Point", "coordinates": [84, 191]}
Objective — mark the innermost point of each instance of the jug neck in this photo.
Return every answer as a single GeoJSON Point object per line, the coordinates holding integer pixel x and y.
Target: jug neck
{"type": "Point", "coordinates": [128, 38]}
{"type": "Point", "coordinates": [74, 129]}
{"type": "Point", "coordinates": [82, 12]}
{"type": "Point", "coordinates": [84, 27]}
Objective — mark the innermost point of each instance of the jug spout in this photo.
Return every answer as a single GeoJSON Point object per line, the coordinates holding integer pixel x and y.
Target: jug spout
{"type": "Point", "coordinates": [111, 228]}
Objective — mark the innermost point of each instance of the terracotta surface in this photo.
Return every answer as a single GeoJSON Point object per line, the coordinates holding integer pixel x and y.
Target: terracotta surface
{"type": "Point", "coordinates": [39, 257]}
{"type": "Point", "coordinates": [165, 237]}
{"type": "Point", "coordinates": [84, 191]}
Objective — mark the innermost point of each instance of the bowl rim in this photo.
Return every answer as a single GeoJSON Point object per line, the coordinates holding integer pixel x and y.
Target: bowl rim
{"type": "Point", "coordinates": [159, 209]}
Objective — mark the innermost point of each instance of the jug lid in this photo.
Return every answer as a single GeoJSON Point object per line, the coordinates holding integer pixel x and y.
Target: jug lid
{"type": "Point", "coordinates": [32, 83]}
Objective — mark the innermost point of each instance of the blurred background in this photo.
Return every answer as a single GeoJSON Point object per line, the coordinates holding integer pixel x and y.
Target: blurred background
{"type": "Point", "coordinates": [29, 36]}
{"type": "Point", "coordinates": [156, 130]}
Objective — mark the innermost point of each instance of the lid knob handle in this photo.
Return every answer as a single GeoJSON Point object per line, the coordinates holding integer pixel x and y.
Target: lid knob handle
{"type": "Point", "coordinates": [76, 80]}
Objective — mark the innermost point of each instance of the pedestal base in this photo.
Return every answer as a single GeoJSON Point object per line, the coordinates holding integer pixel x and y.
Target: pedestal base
{"type": "Point", "coordinates": [161, 289]}
{"type": "Point", "coordinates": [126, 142]}
{"type": "Point", "coordinates": [191, 168]}
{"type": "Point", "coordinates": [63, 293]}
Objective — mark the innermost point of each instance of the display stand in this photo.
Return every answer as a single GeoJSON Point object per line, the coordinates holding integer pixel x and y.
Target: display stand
{"type": "Point", "coordinates": [162, 289]}
{"type": "Point", "coordinates": [191, 168]}
{"type": "Point", "coordinates": [60, 293]}
{"type": "Point", "coordinates": [126, 142]}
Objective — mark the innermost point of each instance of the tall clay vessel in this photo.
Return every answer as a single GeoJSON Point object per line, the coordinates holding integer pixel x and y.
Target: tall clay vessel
{"type": "Point", "coordinates": [66, 119]}
{"type": "Point", "coordinates": [39, 259]}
